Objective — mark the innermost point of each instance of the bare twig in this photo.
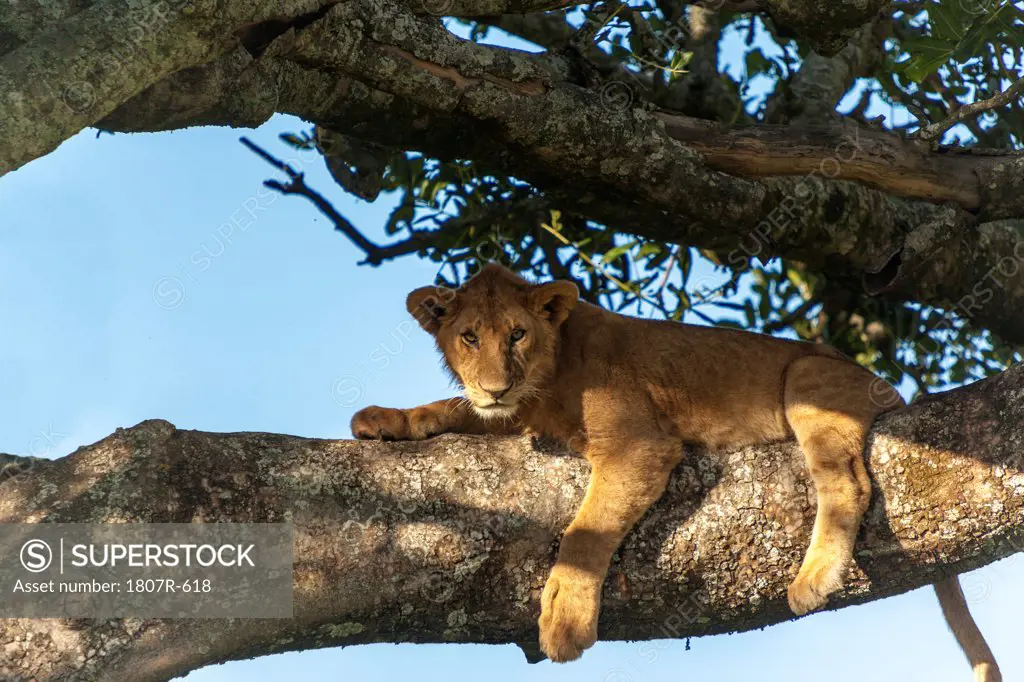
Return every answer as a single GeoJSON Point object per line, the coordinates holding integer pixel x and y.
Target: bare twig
{"type": "Point", "coordinates": [669, 267]}
{"type": "Point", "coordinates": [375, 253]}
{"type": "Point", "coordinates": [798, 313]}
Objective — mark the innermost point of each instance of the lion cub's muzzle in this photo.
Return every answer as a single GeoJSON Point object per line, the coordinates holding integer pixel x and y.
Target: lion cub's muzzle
{"type": "Point", "coordinates": [493, 401]}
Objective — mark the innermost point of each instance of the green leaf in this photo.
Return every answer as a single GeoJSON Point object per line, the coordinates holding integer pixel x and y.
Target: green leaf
{"type": "Point", "coordinates": [649, 248]}
{"type": "Point", "coordinates": [685, 263]}
{"type": "Point", "coordinates": [949, 20]}
{"type": "Point", "coordinates": [764, 306]}
{"type": "Point", "coordinates": [927, 55]}
{"type": "Point", "coordinates": [795, 277]}
{"type": "Point", "coordinates": [757, 63]}
{"type": "Point", "coordinates": [985, 29]}
{"type": "Point", "coordinates": [677, 67]}
{"type": "Point", "coordinates": [712, 256]}
{"type": "Point", "coordinates": [618, 251]}
{"type": "Point", "coordinates": [295, 141]}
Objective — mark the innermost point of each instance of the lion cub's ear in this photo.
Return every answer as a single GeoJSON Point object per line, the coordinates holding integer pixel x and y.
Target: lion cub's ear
{"type": "Point", "coordinates": [430, 306]}
{"type": "Point", "coordinates": [554, 301]}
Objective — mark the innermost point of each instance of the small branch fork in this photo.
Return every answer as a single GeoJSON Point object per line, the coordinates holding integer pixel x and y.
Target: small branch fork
{"type": "Point", "coordinates": [935, 131]}
{"type": "Point", "coordinates": [296, 185]}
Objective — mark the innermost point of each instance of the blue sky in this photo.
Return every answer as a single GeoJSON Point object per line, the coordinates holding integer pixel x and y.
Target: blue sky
{"type": "Point", "coordinates": [132, 291]}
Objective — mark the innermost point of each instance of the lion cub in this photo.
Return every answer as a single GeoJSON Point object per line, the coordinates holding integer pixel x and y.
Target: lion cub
{"type": "Point", "coordinates": [629, 393]}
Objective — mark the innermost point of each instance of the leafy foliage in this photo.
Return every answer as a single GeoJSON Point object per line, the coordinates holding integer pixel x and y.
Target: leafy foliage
{"type": "Point", "coordinates": [948, 54]}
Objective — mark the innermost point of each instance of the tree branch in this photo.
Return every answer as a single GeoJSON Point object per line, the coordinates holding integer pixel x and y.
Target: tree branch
{"type": "Point", "coordinates": [449, 540]}
{"type": "Point", "coordinates": [827, 25]}
{"type": "Point", "coordinates": [846, 151]}
{"type": "Point", "coordinates": [297, 185]}
{"type": "Point", "coordinates": [226, 91]}
{"type": "Point", "coordinates": [935, 131]}
{"type": "Point", "coordinates": [548, 30]}
{"type": "Point", "coordinates": [19, 21]}
{"type": "Point", "coordinates": [80, 68]}
{"type": "Point", "coordinates": [816, 89]}
{"type": "Point", "coordinates": [628, 169]}
{"type": "Point", "coordinates": [375, 253]}
{"type": "Point", "coordinates": [373, 70]}
{"type": "Point", "coordinates": [520, 87]}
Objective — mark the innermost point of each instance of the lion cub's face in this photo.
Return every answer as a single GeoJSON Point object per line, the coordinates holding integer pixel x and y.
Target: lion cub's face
{"type": "Point", "coordinates": [498, 334]}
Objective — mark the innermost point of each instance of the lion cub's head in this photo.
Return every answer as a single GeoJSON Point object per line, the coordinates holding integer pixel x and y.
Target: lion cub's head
{"type": "Point", "coordinates": [498, 334]}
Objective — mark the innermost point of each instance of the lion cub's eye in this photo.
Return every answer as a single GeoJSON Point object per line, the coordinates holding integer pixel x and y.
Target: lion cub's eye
{"type": "Point", "coordinates": [470, 338]}
{"type": "Point", "coordinates": [518, 334]}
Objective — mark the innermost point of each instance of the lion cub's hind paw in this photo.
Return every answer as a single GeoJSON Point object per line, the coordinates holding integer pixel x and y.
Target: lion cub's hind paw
{"type": "Point", "coordinates": [804, 598]}
{"type": "Point", "coordinates": [568, 619]}
{"type": "Point", "coordinates": [813, 585]}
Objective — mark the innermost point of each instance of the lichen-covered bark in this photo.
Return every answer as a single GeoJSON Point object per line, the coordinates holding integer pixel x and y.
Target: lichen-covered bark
{"type": "Point", "coordinates": [82, 65]}
{"type": "Point", "coordinates": [449, 540]}
{"type": "Point", "coordinates": [827, 23]}
{"type": "Point", "coordinates": [22, 19]}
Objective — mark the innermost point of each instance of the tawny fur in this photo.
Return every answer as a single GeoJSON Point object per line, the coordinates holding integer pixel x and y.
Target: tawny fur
{"type": "Point", "coordinates": [629, 394]}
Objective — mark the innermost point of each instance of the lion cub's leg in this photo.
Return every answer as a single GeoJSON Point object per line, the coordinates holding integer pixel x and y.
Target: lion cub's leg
{"type": "Point", "coordinates": [625, 480]}
{"type": "Point", "coordinates": [454, 415]}
{"type": "Point", "coordinates": [830, 405]}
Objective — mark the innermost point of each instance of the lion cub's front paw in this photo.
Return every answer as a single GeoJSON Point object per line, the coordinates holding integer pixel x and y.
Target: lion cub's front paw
{"type": "Point", "coordinates": [819, 577]}
{"type": "Point", "coordinates": [568, 617]}
{"type": "Point", "coordinates": [381, 423]}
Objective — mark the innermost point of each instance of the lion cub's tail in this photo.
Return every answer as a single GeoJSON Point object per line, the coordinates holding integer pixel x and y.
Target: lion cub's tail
{"type": "Point", "coordinates": [968, 636]}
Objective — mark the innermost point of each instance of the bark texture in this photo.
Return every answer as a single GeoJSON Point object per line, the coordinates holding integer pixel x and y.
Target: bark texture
{"type": "Point", "coordinates": [450, 539]}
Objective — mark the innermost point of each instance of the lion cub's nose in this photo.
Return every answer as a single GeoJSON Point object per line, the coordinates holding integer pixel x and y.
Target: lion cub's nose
{"type": "Point", "coordinates": [497, 393]}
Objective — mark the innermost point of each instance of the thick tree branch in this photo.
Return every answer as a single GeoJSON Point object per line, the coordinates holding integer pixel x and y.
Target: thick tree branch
{"type": "Point", "coordinates": [847, 151]}
{"type": "Point", "coordinates": [827, 24]}
{"type": "Point", "coordinates": [972, 179]}
{"type": "Point", "coordinates": [449, 540]}
{"type": "Point", "coordinates": [915, 173]}
{"type": "Point", "coordinates": [372, 70]}
{"type": "Point", "coordinates": [84, 65]}
{"type": "Point", "coordinates": [557, 134]}
{"type": "Point", "coordinates": [628, 169]}
{"type": "Point", "coordinates": [20, 20]}
{"type": "Point", "coordinates": [816, 89]}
